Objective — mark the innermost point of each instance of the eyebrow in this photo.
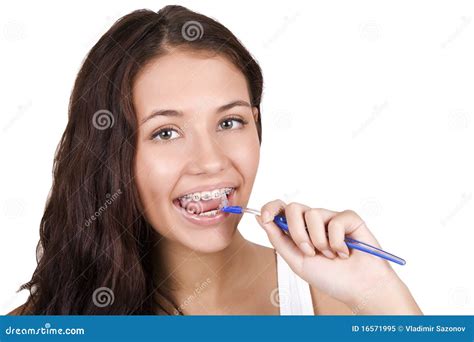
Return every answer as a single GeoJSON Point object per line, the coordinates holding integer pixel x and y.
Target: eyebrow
{"type": "Point", "coordinates": [177, 113]}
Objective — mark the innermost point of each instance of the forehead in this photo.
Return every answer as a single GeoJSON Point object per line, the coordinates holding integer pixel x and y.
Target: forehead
{"type": "Point", "coordinates": [188, 82]}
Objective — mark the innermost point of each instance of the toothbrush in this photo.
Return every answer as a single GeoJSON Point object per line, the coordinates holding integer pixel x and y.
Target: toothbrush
{"type": "Point", "coordinates": [280, 221]}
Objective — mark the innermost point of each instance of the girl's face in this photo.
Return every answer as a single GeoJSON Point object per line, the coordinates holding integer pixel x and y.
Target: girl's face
{"type": "Point", "coordinates": [196, 132]}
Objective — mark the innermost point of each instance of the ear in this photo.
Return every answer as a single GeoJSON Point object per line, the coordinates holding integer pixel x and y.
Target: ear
{"type": "Point", "coordinates": [255, 113]}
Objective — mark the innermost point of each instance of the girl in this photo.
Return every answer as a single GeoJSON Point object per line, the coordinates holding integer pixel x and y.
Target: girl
{"type": "Point", "coordinates": [164, 121]}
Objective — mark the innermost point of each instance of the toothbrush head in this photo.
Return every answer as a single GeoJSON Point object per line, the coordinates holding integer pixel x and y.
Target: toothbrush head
{"type": "Point", "coordinates": [224, 201]}
{"type": "Point", "coordinates": [232, 209]}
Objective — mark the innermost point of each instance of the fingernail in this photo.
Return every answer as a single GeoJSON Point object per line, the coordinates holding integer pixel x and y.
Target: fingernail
{"type": "Point", "coordinates": [343, 255]}
{"type": "Point", "coordinates": [329, 254]}
{"type": "Point", "coordinates": [307, 249]}
{"type": "Point", "coordinates": [266, 217]}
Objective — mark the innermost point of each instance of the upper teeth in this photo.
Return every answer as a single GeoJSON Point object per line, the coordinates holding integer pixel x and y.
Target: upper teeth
{"type": "Point", "coordinates": [207, 195]}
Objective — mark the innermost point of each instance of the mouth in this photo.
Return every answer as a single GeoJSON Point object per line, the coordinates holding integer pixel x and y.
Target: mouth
{"type": "Point", "coordinates": [203, 208]}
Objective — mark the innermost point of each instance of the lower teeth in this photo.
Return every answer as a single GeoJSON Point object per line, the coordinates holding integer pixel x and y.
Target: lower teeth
{"type": "Point", "coordinates": [209, 213]}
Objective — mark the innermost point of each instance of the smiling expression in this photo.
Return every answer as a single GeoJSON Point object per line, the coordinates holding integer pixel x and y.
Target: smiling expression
{"type": "Point", "coordinates": [196, 131]}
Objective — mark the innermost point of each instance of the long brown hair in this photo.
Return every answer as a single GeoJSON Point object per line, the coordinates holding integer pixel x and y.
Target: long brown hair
{"type": "Point", "coordinates": [94, 253]}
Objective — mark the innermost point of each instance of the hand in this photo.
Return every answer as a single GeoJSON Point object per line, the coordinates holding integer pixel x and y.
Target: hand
{"type": "Point", "coordinates": [320, 256]}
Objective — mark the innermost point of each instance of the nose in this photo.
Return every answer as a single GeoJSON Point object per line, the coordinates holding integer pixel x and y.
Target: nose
{"type": "Point", "coordinates": [208, 154]}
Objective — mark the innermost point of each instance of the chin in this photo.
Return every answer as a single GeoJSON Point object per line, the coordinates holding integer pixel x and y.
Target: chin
{"type": "Point", "coordinates": [211, 240]}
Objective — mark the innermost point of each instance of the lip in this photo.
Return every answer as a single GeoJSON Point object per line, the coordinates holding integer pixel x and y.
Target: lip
{"type": "Point", "coordinates": [209, 187]}
{"type": "Point", "coordinates": [203, 220]}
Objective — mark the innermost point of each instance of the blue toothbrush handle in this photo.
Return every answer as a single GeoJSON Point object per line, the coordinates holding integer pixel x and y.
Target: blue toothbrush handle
{"type": "Point", "coordinates": [280, 221]}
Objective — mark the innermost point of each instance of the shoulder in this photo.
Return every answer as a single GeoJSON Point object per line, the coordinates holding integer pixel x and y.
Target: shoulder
{"type": "Point", "coordinates": [324, 304]}
{"type": "Point", "coordinates": [263, 260]}
{"type": "Point", "coordinates": [262, 251]}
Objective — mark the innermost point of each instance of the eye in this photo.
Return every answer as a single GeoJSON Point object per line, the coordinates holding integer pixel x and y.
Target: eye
{"type": "Point", "coordinates": [227, 123]}
{"type": "Point", "coordinates": [164, 134]}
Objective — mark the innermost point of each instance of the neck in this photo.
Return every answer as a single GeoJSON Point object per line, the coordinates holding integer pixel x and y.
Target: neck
{"type": "Point", "coordinates": [183, 272]}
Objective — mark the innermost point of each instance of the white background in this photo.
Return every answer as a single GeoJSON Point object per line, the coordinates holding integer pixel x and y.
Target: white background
{"type": "Point", "coordinates": [366, 106]}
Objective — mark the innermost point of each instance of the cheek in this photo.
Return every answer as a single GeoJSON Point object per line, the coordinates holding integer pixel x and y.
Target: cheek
{"type": "Point", "coordinates": [155, 175]}
{"type": "Point", "coordinates": [244, 152]}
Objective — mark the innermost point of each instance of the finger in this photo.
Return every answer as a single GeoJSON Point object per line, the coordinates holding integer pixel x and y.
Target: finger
{"type": "Point", "coordinates": [283, 244]}
{"type": "Point", "coordinates": [294, 213]}
{"type": "Point", "coordinates": [327, 214]}
{"type": "Point", "coordinates": [336, 239]}
{"type": "Point", "coordinates": [271, 209]}
{"type": "Point", "coordinates": [344, 223]}
{"type": "Point", "coordinates": [317, 231]}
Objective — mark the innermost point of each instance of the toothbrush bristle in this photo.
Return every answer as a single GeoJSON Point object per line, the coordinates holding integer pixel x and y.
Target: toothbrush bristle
{"type": "Point", "coordinates": [224, 202]}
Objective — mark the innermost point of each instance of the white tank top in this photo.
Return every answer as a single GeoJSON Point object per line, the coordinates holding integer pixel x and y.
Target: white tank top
{"type": "Point", "coordinates": [293, 292]}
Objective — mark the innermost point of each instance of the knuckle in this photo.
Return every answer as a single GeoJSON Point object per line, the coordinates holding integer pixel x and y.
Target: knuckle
{"type": "Point", "coordinates": [265, 209]}
{"type": "Point", "coordinates": [361, 224]}
{"type": "Point", "coordinates": [276, 207]}
{"type": "Point", "coordinates": [333, 224]}
{"type": "Point", "coordinates": [313, 213]}
{"type": "Point", "coordinates": [269, 207]}
{"type": "Point", "coordinates": [291, 206]}
{"type": "Point", "coordinates": [350, 212]}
